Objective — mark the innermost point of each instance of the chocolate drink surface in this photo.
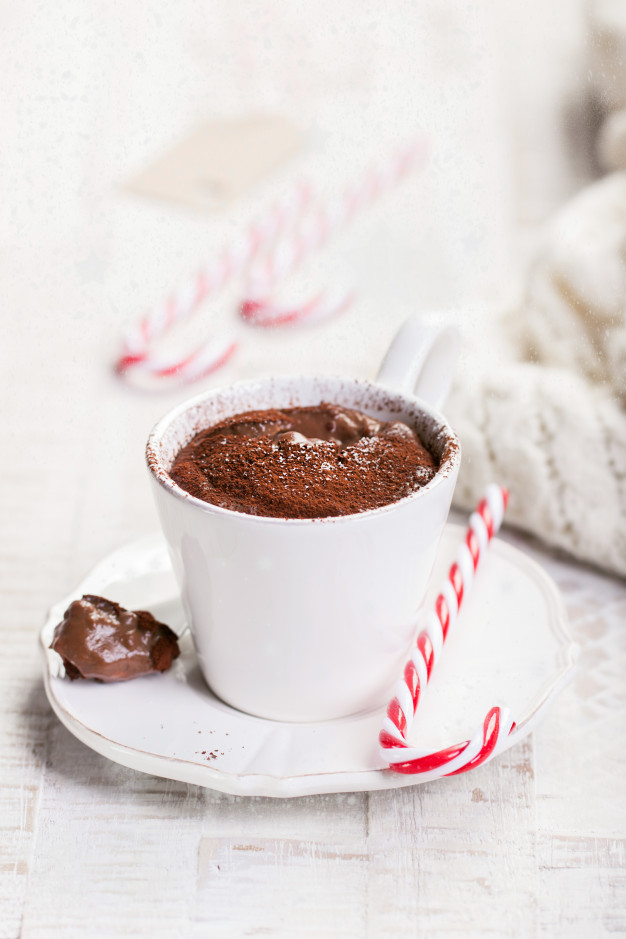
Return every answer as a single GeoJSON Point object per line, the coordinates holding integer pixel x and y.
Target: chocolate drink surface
{"type": "Point", "coordinates": [305, 462]}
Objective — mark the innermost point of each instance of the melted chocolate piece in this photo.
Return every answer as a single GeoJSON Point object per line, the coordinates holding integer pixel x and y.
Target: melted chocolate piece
{"type": "Point", "coordinates": [307, 462]}
{"type": "Point", "coordinates": [98, 638]}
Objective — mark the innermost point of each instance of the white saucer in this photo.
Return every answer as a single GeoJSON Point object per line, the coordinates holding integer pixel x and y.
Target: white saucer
{"type": "Point", "coordinates": [510, 646]}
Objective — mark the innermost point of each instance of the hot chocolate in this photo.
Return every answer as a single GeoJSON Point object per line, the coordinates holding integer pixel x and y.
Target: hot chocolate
{"type": "Point", "coordinates": [304, 462]}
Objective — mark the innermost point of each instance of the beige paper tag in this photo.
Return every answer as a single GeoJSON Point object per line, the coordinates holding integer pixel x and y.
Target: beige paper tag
{"type": "Point", "coordinates": [218, 160]}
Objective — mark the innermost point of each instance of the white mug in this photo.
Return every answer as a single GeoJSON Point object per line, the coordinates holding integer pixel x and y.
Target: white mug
{"type": "Point", "coordinates": [311, 619]}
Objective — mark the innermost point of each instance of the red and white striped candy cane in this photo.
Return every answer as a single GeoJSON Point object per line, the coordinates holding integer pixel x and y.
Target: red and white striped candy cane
{"type": "Point", "coordinates": [206, 358]}
{"type": "Point", "coordinates": [498, 723]}
{"type": "Point", "coordinates": [136, 353]}
{"type": "Point", "coordinates": [316, 230]}
{"type": "Point", "coordinates": [322, 307]}
{"type": "Point", "coordinates": [270, 235]}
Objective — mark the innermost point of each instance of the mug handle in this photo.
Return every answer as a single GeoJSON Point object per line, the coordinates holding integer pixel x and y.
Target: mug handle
{"type": "Point", "coordinates": [421, 360]}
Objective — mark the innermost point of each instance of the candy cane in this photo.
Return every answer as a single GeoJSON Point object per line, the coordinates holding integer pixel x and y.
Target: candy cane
{"type": "Point", "coordinates": [203, 360]}
{"type": "Point", "coordinates": [317, 229]}
{"type": "Point", "coordinates": [271, 235]}
{"type": "Point", "coordinates": [205, 283]}
{"type": "Point", "coordinates": [322, 307]}
{"type": "Point", "coordinates": [498, 724]}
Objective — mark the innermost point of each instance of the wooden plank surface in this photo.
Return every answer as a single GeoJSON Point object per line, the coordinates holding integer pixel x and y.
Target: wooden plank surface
{"type": "Point", "coordinates": [530, 845]}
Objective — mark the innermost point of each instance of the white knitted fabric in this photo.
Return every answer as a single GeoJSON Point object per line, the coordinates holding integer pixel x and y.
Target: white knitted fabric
{"type": "Point", "coordinates": [576, 309]}
{"type": "Point", "coordinates": [550, 423]}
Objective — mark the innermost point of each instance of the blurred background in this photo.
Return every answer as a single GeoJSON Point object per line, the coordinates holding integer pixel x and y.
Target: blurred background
{"type": "Point", "coordinates": [510, 96]}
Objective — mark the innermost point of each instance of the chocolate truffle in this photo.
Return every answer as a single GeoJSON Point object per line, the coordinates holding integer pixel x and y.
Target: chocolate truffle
{"type": "Point", "coordinates": [99, 639]}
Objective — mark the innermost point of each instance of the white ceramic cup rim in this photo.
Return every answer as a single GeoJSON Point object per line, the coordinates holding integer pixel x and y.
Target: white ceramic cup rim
{"type": "Point", "coordinates": [451, 448]}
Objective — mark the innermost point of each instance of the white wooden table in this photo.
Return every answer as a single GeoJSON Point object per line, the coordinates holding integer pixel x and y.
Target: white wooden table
{"type": "Point", "coordinates": [531, 844]}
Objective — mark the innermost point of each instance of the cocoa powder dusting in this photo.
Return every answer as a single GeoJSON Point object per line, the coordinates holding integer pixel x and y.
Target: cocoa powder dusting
{"type": "Point", "coordinates": [312, 462]}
